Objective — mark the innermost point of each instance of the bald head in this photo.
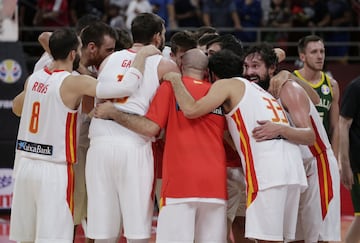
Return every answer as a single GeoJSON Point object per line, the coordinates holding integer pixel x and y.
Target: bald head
{"type": "Point", "coordinates": [194, 59]}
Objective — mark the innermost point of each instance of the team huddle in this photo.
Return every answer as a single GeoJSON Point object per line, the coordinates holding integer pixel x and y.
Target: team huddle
{"type": "Point", "coordinates": [245, 149]}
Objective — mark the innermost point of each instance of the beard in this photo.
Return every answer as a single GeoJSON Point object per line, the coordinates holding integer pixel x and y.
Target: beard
{"type": "Point", "coordinates": [162, 45]}
{"type": "Point", "coordinates": [76, 62]}
{"type": "Point", "coordinates": [265, 83]}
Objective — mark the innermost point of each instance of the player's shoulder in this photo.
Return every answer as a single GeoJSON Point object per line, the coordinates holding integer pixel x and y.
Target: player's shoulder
{"type": "Point", "coordinates": [167, 65]}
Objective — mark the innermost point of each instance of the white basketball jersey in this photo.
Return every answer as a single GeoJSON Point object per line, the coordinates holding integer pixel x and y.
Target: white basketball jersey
{"type": "Point", "coordinates": [48, 128]}
{"type": "Point", "coordinates": [269, 163]}
{"type": "Point", "coordinates": [322, 142]}
{"type": "Point", "coordinates": [113, 71]}
{"type": "Point", "coordinates": [320, 156]}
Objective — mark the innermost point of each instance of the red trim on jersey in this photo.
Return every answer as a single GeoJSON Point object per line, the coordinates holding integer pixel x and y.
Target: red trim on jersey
{"type": "Point", "coordinates": [47, 70]}
{"type": "Point", "coordinates": [70, 188]}
{"type": "Point", "coordinates": [70, 136]}
{"type": "Point", "coordinates": [162, 202]}
{"type": "Point", "coordinates": [251, 181]}
{"type": "Point", "coordinates": [324, 175]}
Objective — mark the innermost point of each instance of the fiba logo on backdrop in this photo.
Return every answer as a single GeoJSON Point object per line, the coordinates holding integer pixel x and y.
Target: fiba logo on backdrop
{"type": "Point", "coordinates": [10, 71]}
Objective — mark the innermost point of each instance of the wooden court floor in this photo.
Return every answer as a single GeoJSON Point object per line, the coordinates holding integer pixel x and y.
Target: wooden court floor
{"type": "Point", "coordinates": [4, 230]}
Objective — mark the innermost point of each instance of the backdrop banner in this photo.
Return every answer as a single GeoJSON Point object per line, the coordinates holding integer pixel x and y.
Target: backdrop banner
{"type": "Point", "coordinates": [12, 77]}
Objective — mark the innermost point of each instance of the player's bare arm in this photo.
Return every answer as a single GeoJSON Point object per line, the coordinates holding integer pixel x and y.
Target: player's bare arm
{"type": "Point", "coordinates": [282, 77]}
{"type": "Point", "coordinates": [75, 87]}
{"type": "Point", "coordinates": [136, 123]}
{"type": "Point", "coordinates": [302, 133]}
{"type": "Point", "coordinates": [18, 101]}
{"type": "Point", "coordinates": [334, 117]}
{"type": "Point", "coordinates": [220, 93]}
{"type": "Point", "coordinates": [346, 172]}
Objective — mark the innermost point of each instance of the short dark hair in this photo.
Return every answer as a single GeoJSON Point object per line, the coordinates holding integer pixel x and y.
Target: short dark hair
{"type": "Point", "coordinates": [84, 21]}
{"type": "Point", "coordinates": [62, 42]}
{"type": "Point", "coordinates": [95, 32]}
{"type": "Point", "coordinates": [124, 40]}
{"type": "Point", "coordinates": [182, 40]}
{"type": "Point", "coordinates": [303, 42]}
{"type": "Point", "coordinates": [145, 26]}
{"type": "Point", "coordinates": [226, 64]}
{"type": "Point", "coordinates": [267, 53]}
{"type": "Point", "coordinates": [229, 42]}
{"type": "Point", "coordinates": [205, 39]}
{"type": "Point", "coordinates": [204, 30]}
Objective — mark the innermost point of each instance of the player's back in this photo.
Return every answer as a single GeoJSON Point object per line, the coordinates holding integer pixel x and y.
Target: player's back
{"type": "Point", "coordinates": [48, 127]}
{"type": "Point", "coordinates": [194, 147]}
{"type": "Point", "coordinates": [268, 163]}
{"type": "Point", "coordinates": [113, 71]}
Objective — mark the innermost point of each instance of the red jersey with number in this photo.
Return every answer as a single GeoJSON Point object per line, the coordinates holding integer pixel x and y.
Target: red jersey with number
{"type": "Point", "coordinates": [194, 157]}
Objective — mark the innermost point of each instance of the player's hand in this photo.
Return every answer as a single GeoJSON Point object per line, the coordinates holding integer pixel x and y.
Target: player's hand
{"type": "Point", "coordinates": [266, 130]}
{"type": "Point", "coordinates": [172, 76]}
{"type": "Point", "coordinates": [277, 82]}
{"type": "Point", "coordinates": [149, 50]}
{"type": "Point", "coordinates": [280, 53]}
{"type": "Point", "coordinates": [105, 110]}
{"type": "Point", "coordinates": [346, 175]}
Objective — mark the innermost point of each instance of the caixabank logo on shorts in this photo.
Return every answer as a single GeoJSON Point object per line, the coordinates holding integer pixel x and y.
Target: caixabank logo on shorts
{"type": "Point", "coordinates": [10, 71]}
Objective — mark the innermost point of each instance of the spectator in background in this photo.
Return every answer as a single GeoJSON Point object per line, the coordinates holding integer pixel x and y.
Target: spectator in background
{"type": "Point", "coordinates": [316, 16]}
{"type": "Point", "coordinates": [340, 16]}
{"type": "Point", "coordinates": [9, 22]}
{"type": "Point", "coordinates": [117, 8]}
{"type": "Point", "coordinates": [221, 13]}
{"type": "Point", "coordinates": [135, 7]}
{"type": "Point", "coordinates": [96, 7]}
{"type": "Point", "coordinates": [279, 17]}
{"type": "Point", "coordinates": [265, 6]}
{"type": "Point", "coordinates": [250, 14]}
{"type": "Point", "coordinates": [165, 9]}
{"type": "Point", "coordinates": [7, 8]}
{"type": "Point", "coordinates": [308, 13]}
{"type": "Point", "coordinates": [187, 14]}
{"type": "Point", "coordinates": [52, 13]}
{"type": "Point", "coordinates": [355, 5]}
{"type": "Point", "coordinates": [27, 11]}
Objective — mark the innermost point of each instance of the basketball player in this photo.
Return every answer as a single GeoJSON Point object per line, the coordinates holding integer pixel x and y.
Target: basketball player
{"type": "Point", "coordinates": [193, 194]}
{"type": "Point", "coordinates": [98, 41]}
{"type": "Point", "coordinates": [42, 209]}
{"type": "Point", "coordinates": [119, 169]}
{"type": "Point", "coordinates": [312, 53]}
{"type": "Point", "coordinates": [273, 169]}
{"type": "Point", "coordinates": [319, 210]}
